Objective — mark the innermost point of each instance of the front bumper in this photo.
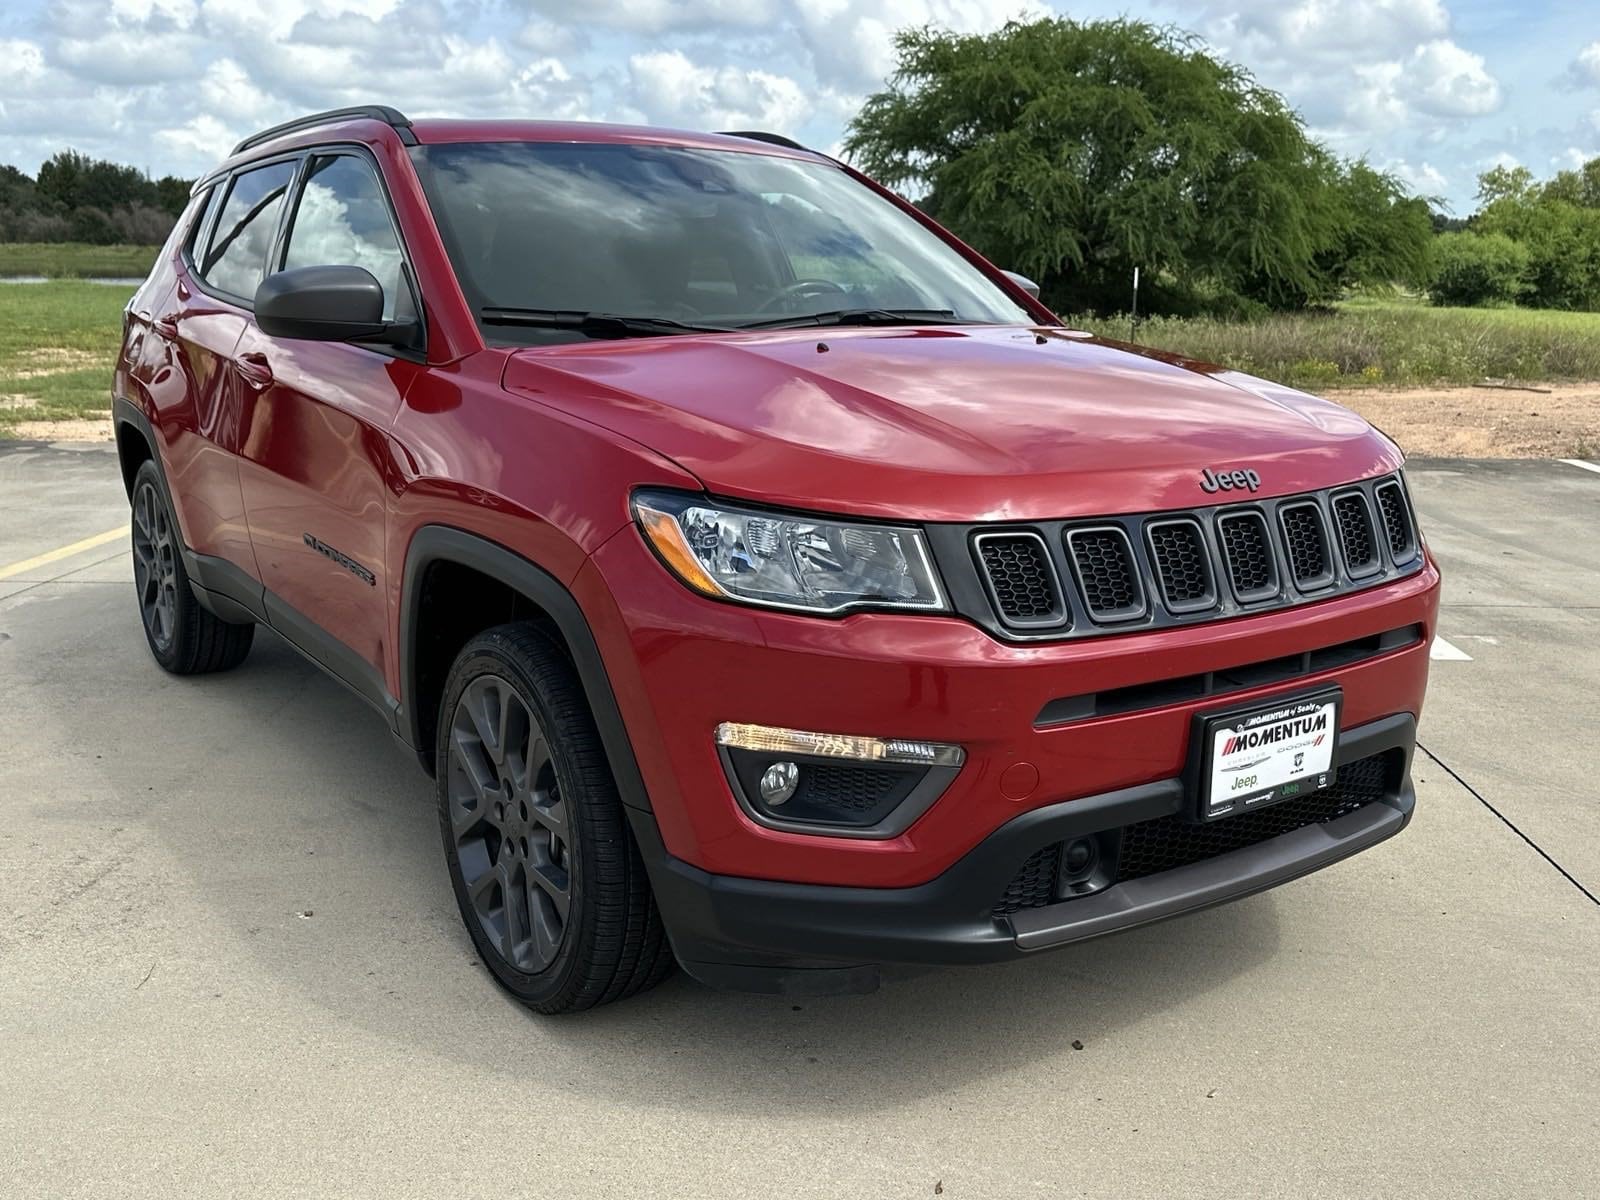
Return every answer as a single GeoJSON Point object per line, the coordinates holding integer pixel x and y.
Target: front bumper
{"type": "Point", "coordinates": [680, 665]}
{"type": "Point", "coordinates": [807, 939]}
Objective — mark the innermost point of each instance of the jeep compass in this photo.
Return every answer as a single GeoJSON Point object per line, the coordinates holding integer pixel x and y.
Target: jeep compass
{"type": "Point", "coordinates": [769, 584]}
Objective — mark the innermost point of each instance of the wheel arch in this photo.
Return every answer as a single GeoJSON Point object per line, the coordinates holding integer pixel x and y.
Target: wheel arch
{"type": "Point", "coordinates": [433, 547]}
{"type": "Point", "coordinates": [135, 442]}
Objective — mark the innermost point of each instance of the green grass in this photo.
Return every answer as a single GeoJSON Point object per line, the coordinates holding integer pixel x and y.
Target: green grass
{"type": "Point", "coordinates": [57, 345]}
{"type": "Point", "coordinates": [74, 260]}
{"type": "Point", "coordinates": [1384, 343]}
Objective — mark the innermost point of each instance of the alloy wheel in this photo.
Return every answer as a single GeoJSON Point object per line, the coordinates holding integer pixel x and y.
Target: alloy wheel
{"type": "Point", "coordinates": [510, 826]}
{"type": "Point", "coordinates": [155, 565]}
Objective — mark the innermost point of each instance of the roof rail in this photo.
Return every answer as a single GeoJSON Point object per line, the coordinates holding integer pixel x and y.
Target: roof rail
{"type": "Point", "coordinates": [392, 117]}
{"type": "Point", "coordinates": [775, 139]}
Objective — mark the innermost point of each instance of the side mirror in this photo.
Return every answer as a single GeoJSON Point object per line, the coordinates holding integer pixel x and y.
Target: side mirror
{"type": "Point", "coordinates": [321, 304]}
{"type": "Point", "coordinates": [1023, 282]}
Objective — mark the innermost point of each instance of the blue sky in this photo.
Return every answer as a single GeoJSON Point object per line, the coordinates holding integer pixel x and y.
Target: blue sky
{"type": "Point", "coordinates": [1434, 90]}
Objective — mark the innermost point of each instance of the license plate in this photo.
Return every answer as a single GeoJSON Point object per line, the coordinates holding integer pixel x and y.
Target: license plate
{"type": "Point", "coordinates": [1259, 756]}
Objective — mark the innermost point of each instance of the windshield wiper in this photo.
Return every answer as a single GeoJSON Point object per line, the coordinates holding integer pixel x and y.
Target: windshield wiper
{"type": "Point", "coordinates": [591, 324]}
{"type": "Point", "coordinates": [861, 316]}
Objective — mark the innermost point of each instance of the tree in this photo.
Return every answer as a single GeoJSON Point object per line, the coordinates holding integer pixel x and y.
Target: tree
{"type": "Point", "coordinates": [77, 198]}
{"type": "Point", "coordinates": [1077, 151]}
{"type": "Point", "coordinates": [1558, 226]}
{"type": "Point", "coordinates": [1580, 188]}
{"type": "Point", "coordinates": [1479, 269]}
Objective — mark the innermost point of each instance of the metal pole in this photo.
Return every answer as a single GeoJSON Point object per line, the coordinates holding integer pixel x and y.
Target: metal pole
{"type": "Point", "coordinates": [1133, 324]}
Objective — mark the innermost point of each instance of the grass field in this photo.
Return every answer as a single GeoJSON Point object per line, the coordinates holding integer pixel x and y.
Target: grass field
{"type": "Point", "coordinates": [57, 343]}
{"type": "Point", "coordinates": [73, 260]}
{"type": "Point", "coordinates": [1388, 343]}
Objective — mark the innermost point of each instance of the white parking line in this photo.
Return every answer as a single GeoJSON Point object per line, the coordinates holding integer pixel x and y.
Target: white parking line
{"type": "Point", "coordinates": [1443, 651]}
{"type": "Point", "coordinates": [1581, 464]}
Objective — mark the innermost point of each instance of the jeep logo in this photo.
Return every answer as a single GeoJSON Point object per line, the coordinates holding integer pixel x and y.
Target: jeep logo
{"type": "Point", "coordinates": [1226, 481]}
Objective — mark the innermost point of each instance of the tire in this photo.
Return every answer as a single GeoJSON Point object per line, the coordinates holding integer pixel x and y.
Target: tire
{"type": "Point", "coordinates": [185, 638]}
{"type": "Point", "coordinates": [546, 874]}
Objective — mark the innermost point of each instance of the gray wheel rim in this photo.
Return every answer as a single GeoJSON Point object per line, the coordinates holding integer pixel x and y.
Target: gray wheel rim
{"type": "Point", "coordinates": [509, 823]}
{"type": "Point", "coordinates": [155, 565]}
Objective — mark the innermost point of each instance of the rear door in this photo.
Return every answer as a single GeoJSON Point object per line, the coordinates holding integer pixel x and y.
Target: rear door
{"type": "Point", "coordinates": [315, 454]}
{"type": "Point", "coordinates": [200, 407]}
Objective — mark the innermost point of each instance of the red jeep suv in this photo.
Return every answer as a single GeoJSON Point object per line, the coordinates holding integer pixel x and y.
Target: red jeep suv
{"type": "Point", "coordinates": [770, 584]}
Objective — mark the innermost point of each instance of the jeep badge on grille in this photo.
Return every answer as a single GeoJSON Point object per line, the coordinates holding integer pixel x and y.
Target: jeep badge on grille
{"type": "Point", "coordinates": [1226, 481]}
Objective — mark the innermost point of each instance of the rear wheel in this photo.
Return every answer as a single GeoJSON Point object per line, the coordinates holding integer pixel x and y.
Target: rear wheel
{"type": "Point", "coordinates": [185, 638]}
{"type": "Point", "coordinates": [545, 872]}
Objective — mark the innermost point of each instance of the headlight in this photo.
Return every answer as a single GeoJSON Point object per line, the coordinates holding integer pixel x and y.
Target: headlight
{"type": "Point", "coordinates": [784, 561]}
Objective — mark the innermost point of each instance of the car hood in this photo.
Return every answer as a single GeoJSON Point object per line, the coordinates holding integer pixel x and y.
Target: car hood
{"type": "Point", "coordinates": [951, 423]}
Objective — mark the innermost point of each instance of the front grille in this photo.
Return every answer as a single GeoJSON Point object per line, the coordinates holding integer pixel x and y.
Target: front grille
{"type": "Point", "coordinates": [1356, 540]}
{"type": "Point", "coordinates": [1310, 561]}
{"type": "Point", "coordinates": [1021, 580]}
{"type": "Point", "coordinates": [1095, 577]}
{"type": "Point", "coordinates": [1248, 553]}
{"type": "Point", "coordinates": [1396, 521]}
{"type": "Point", "coordinates": [1102, 560]}
{"type": "Point", "coordinates": [1183, 568]}
{"type": "Point", "coordinates": [1165, 843]}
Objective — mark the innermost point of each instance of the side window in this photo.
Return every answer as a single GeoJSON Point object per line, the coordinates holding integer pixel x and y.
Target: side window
{"type": "Point", "coordinates": [342, 220]}
{"type": "Point", "coordinates": [235, 261]}
{"type": "Point", "coordinates": [202, 221]}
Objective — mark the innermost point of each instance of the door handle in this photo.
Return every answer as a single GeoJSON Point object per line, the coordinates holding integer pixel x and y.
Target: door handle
{"type": "Point", "coordinates": [255, 368]}
{"type": "Point", "coordinates": [166, 325]}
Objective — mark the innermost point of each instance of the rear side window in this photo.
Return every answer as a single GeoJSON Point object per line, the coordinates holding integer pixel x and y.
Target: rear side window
{"type": "Point", "coordinates": [343, 220]}
{"type": "Point", "coordinates": [202, 222]}
{"type": "Point", "coordinates": [235, 260]}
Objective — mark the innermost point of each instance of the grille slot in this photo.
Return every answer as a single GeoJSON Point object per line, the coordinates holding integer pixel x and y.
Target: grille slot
{"type": "Point", "coordinates": [1397, 526]}
{"type": "Point", "coordinates": [1183, 565]}
{"type": "Point", "coordinates": [1306, 539]}
{"type": "Point", "coordinates": [1247, 550]}
{"type": "Point", "coordinates": [1108, 577]}
{"type": "Point", "coordinates": [1357, 542]}
{"type": "Point", "coordinates": [1164, 843]}
{"type": "Point", "coordinates": [1021, 579]}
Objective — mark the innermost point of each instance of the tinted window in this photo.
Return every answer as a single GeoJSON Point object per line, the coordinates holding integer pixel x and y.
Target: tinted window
{"type": "Point", "coordinates": [236, 258]}
{"type": "Point", "coordinates": [343, 220]}
{"type": "Point", "coordinates": [202, 221]}
{"type": "Point", "coordinates": [721, 237]}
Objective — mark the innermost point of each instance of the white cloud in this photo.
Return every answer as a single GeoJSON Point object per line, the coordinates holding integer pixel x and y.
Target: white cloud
{"type": "Point", "coordinates": [1328, 28]}
{"type": "Point", "coordinates": [1443, 79]}
{"type": "Point", "coordinates": [677, 91]}
{"type": "Point", "coordinates": [1423, 178]}
{"type": "Point", "coordinates": [1584, 71]}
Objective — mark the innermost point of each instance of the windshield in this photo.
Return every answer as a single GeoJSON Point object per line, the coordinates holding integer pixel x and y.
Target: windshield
{"type": "Point", "coordinates": [688, 238]}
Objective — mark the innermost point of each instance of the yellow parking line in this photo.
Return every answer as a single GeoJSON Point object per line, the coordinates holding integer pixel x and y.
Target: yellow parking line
{"type": "Point", "coordinates": [50, 556]}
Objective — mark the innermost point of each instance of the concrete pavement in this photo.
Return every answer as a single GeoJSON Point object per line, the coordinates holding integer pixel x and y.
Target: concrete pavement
{"type": "Point", "coordinates": [230, 963]}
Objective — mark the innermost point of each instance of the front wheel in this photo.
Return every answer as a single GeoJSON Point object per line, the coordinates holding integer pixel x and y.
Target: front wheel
{"type": "Point", "coordinates": [544, 869]}
{"type": "Point", "coordinates": [185, 638]}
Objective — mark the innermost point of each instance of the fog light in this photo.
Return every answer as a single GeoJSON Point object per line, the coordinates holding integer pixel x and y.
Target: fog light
{"type": "Point", "coordinates": [778, 783]}
{"type": "Point", "coordinates": [1079, 860]}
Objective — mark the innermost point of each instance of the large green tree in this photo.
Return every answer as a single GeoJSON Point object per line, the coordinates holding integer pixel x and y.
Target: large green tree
{"type": "Point", "coordinates": [1077, 151]}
